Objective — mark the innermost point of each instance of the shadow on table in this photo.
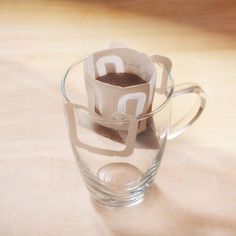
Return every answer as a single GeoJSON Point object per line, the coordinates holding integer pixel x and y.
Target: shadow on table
{"type": "Point", "coordinates": [157, 215]}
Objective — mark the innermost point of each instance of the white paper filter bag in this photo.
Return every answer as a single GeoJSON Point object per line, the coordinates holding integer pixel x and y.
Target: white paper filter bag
{"type": "Point", "coordinates": [106, 99]}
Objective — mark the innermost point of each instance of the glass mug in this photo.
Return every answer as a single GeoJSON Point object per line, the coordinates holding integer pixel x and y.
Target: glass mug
{"type": "Point", "coordinates": [117, 163]}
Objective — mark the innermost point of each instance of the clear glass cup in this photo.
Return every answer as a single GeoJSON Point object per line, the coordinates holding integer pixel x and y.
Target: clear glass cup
{"type": "Point", "coordinates": [117, 163]}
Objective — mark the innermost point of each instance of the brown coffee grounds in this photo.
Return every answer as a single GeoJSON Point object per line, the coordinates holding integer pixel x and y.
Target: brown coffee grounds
{"type": "Point", "coordinates": [121, 79]}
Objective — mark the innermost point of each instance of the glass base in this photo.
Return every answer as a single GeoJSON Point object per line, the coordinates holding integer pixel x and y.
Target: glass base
{"type": "Point", "coordinates": [117, 204]}
{"type": "Point", "coordinates": [121, 184]}
{"type": "Point", "coordinates": [119, 176]}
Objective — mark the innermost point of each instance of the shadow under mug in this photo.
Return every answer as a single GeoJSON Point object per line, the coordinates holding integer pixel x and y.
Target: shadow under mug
{"type": "Point", "coordinates": [119, 165]}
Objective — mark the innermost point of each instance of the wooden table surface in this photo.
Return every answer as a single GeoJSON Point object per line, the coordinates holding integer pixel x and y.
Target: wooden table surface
{"type": "Point", "coordinates": [41, 191]}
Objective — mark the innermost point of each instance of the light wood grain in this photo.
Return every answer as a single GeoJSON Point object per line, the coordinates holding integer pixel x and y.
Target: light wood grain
{"type": "Point", "coordinates": [41, 189]}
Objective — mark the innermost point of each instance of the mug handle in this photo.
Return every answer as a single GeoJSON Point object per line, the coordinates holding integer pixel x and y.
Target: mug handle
{"type": "Point", "coordinates": [192, 115]}
{"type": "Point", "coordinates": [189, 88]}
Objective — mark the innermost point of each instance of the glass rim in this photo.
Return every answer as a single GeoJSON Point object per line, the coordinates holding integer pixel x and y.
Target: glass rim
{"type": "Point", "coordinates": [99, 118]}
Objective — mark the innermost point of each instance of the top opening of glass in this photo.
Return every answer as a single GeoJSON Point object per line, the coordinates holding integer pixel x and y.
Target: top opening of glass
{"type": "Point", "coordinates": [168, 94]}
